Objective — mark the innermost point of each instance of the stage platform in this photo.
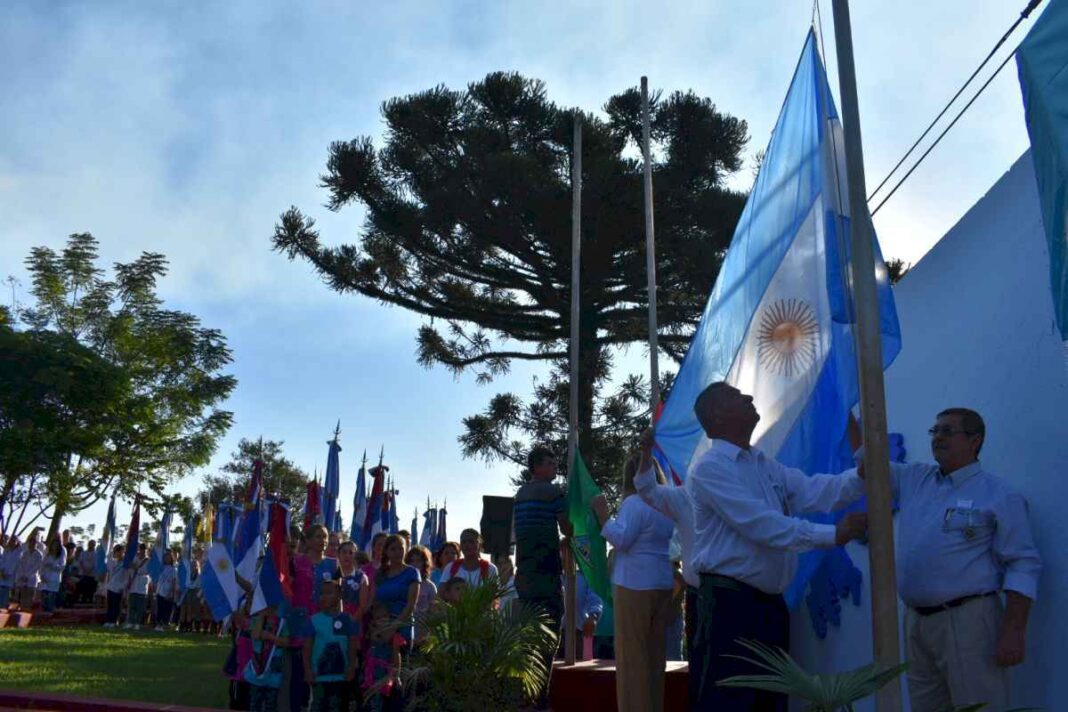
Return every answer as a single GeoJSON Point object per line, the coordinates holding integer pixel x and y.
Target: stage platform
{"type": "Point", "coordinates": [591, 686]}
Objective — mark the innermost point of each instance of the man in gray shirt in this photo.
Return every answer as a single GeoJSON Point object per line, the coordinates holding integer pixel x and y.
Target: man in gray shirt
{"type": "Point", "coordinates": [963, 536]}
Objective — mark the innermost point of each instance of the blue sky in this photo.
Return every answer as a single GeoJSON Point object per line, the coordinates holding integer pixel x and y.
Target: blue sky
{"type": "Point", "coordinates": [187, 128]}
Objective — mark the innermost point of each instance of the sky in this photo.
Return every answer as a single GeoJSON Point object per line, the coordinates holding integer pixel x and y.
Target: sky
{"type": "Point", "coordinates": [188, 128]}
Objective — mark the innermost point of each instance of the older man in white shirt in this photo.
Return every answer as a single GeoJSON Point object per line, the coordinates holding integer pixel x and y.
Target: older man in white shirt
{"type": "Point", "coordinates": [746, 541]}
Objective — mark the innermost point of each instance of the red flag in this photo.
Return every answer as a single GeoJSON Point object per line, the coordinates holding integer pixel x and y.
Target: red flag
{"type": "Point", "coordinates": [313, 509]}
{"type": "Point", "coordinates": [278, 549]}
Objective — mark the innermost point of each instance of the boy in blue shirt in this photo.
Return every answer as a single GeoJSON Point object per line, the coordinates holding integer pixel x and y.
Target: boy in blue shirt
{"type": "Point", "coordinates": [330, 651]}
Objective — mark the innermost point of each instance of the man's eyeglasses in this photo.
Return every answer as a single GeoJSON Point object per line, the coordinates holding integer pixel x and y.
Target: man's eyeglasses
{"type": "Point", "coordinates": [947, 431]}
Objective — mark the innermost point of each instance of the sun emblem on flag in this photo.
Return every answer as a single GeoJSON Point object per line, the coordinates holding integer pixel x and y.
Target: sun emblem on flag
{"type": "Point", "coordinates": [222, 564]}
{"type": "Point", "coordinates": [786, 337]}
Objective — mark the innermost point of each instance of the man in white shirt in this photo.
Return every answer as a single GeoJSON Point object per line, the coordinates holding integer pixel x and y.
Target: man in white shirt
{"type": "Point", "coordinates": [472, 568]}
{"type": "Point", "coordinates": [746, 541]}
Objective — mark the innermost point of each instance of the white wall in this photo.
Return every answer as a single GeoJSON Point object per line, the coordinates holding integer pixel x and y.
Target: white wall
{"type": "Point", "coordinates": [978, 331]}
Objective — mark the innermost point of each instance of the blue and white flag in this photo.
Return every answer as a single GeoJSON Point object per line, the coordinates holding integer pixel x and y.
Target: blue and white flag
{"type": "Point", "coordinates": [779, 324]}
{"type": "Point", "coordinates": [218, 584]}
{"type": "Point", "coordinates": [248, 542]}
{"type": "Point", "coordinates": [359, 506]}
{"type": "Point", "coordinates": [427, 539]}
{"type": "Point", "coordinates": [332, 486]}
{"type": "Point", "coordinates": [107, 539]}
{"type": "Point", "coordinates": [163, 542]}
{"type": "Point", "coordinates": [1042, 60]}
{"type": "Point", "coordinates": [189, 528]}
{"type": "Point", "coordinates": [442, 534]}
{"type": "Point", "coordinates": [415, 526]}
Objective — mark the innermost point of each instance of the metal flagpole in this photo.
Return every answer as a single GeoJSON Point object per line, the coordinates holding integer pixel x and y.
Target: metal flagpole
{"type": "Point", "coordinates": [886, 646]}
{"type": "Point", "coordinates": [650, 256]}
{"type": "Point", "coordinates": [572, 435]}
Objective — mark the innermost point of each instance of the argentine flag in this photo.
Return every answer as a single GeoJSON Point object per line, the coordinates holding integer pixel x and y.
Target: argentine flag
{"type": "Point", "coordinates": [359, 506]}
{"type": "Point", "coordinates": [779, 322]}
{"type": "Point", "coordinates": [163, 542]}
{"type": "Point", "coordinates": [218, 584]}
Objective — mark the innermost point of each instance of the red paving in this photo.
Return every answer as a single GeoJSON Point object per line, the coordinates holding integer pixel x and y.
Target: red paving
{"type": "Point", "coordinates": [18, 700]}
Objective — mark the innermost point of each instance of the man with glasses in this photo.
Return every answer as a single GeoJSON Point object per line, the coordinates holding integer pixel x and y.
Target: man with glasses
{"type": "Point", "coordinates": [963, 537]}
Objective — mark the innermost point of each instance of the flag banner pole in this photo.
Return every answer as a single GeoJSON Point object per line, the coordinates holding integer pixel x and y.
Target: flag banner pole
{"type": "Point", "coordinates": [650, 255]}
{"type": "Point", "coordinates": [572, 434]}
{"type": "Point", "coordinates": [886, 646]}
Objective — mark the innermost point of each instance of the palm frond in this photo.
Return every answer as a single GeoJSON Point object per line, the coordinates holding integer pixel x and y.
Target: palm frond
{"type": "Point", "coordinates": [824, 693]}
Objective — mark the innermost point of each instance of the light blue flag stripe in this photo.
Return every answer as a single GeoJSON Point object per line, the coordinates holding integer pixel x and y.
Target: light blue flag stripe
{"type": "Point", "coordinates": [785, 268]}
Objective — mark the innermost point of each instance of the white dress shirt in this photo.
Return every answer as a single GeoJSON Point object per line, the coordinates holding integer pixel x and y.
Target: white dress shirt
{"type": "Point", "coordinates": [961, 534]}
{"type": "Point", "coordinates": [744, 507]}
{"type": "Point", "coordinates": [640, 536]}
{"type": "Point", "coordinates": [674, 503]}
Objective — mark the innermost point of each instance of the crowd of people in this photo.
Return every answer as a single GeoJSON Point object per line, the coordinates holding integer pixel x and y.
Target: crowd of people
{"type": "Point", "coordinates": [967, 571]}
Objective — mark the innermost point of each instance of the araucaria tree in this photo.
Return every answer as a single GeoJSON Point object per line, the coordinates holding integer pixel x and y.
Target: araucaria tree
{"type": "Point", "coordinates": [468, 222]}
{"type": "Point", "coordinates": [164, 413]}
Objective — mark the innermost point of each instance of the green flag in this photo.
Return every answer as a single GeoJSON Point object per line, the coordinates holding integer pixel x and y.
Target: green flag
{"type": "Point", "coordinates": [588, 545]}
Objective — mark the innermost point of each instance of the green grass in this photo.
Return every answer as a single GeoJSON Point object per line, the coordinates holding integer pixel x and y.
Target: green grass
{"type": "Point", "coordinates": [92, 662]}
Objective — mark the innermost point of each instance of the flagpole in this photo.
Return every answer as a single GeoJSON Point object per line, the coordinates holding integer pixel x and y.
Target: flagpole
{"type": "Point", "coordinates": [572, 432]}
{"type": "Point", "coordinates": [885, 642]}
{"type": "Point", "coordinates": [650, 256]}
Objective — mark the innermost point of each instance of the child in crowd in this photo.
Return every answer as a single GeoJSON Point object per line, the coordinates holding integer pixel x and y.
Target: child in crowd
{"type": "Point", "coordinates": [355, 588]}
{"type": "Point", "coordinates": [166, 592]}
{"type": "Point", "coordinates": [117, 578]}
{"type": "Point", "coordinates": [381, 684]}
{"type": "Point", "coordinates": [139, 580]}
{"type": "Point", "coordinates": [330, 651]}
{"type": "Point", "coordinates": [52, 565]}
{"type": "Point", "coordinates": [419, 557]}
{"type": "Point", "coordinates": [189, 620]}
{"type": "Point", "coordinates": [506, 574]}
{"type": "Point", "coordinates": [28, 570]}
{"type": "Point", "coordinates": [9, 561]}
{"type": "Point", "coordinates": [240, 655]}
{"type": "Point", "coordinates": [453, 589]}
{"type": "Point", "coordinates": [264, 670]}
{"type": "Point", "coordinates": [449, 553]}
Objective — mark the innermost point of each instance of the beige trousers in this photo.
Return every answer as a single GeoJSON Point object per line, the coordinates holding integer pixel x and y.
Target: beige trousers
{"type": "Point", "coordinates": [641, 619]}
{"type": "Point", "coordinates": [951, 658]}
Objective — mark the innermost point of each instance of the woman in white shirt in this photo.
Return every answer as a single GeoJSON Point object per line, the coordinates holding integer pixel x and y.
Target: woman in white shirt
{"type": "Point", "coordinates": [166, 592]}
{"type": "Point", "coordinates": [9, 562]}
{"type": "Point", "coordinates": [52, 574]}
{"type": "Point", "coordinates": [506, 570]}
{"type": "Point", "coordinates": [117, 577]}
{"type": "Point", "coordinates": [135, 605]}
{"type": "Point", "coordinates": [642, 585]}
{"type": "Point", "coordinates": [28, 570]}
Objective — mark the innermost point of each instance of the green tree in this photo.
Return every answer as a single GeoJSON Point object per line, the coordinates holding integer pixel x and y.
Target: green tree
{"type": "Point", "coordinates": [171, 419]}
{"type": "Point", "coordinates": [281, 476]}
{"type": "Point", "coordinates": [59, 401]}
{"type": "Point", "coordinates": [468, 222]}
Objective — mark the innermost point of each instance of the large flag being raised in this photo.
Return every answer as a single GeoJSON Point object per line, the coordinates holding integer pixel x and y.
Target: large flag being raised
{"type": "Point", "coordinates": [779, 322]}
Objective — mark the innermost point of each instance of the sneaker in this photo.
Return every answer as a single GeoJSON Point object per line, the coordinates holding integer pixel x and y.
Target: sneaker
{"type": "Point", "coordinates": [109, 625]}
{"type": "Point", "coordinates": [159, 629]}
{"type": "Point", "coordinates": [127, 626]}
{"type": "Point", "coordinates": [137, 626]}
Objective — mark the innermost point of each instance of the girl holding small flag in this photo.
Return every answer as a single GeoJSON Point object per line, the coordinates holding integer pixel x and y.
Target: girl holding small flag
{"type": "Point", "coordinates": [52, 574]}
{"type": "Point", "coordinates": [166, 592]}
{"type": "Point", "coordinates": [138, 592]}
{"type": "Point", "coordinates": [117, 577]}
{"type": "Point", "coordinates": [27, 572]}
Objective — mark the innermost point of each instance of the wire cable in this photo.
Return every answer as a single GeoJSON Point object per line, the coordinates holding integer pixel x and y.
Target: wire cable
{"type": "Point", "coordinates": [944, 132]}
{"type": "Point", "coordinates": [1023, 16]}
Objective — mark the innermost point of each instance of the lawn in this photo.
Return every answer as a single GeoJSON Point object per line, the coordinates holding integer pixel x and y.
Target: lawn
{"type": "Point", "coordinates": [91, 661]}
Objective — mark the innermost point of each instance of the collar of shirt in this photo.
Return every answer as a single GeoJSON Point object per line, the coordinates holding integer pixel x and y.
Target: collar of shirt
{"type": "Point", "coordinates": [734, 452]}
{"type": "Point", "coordinates": [962, 475]}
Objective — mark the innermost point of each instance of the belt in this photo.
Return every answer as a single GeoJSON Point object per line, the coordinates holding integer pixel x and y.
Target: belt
{"type": "Point", "coordinates": [931, 610]}
{"type": "Point", "coordinates": [733, 584]}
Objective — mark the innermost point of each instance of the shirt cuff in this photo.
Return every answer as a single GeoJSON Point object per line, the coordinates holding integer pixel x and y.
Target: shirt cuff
{"type": "Point", "coordinates": [824, 535]}
{"type": "Point", "coordinates": [1022, 583]}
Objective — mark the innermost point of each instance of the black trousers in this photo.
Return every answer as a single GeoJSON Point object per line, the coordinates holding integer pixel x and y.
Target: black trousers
{"type": "Point", "coordinates": [728, 611]}
{"type": "Point", "coordinates": [114, 606]}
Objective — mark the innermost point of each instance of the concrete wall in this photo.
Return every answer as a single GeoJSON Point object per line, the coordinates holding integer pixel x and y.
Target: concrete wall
{"type": "Point", "coordinates": [978, 331]}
